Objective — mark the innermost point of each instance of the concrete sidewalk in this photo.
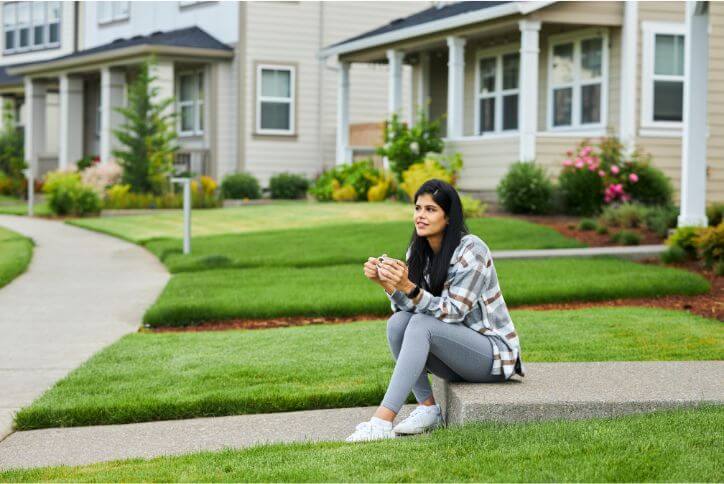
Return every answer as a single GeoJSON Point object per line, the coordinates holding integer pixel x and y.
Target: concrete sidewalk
{"type": "Point", "coordinates": [82, 291]}
{"type": "Point", "coordinates": [549, 390]}
{"type": "Point", "coordinates": [627, 252]}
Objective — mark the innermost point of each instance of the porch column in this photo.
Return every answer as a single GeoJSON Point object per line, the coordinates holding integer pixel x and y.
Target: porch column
{"type": "Point", "coordinates": [343, 151]}
{"type": "Point", "coordinates": [528, 97]}
{"type": "Point", "coordinates": [35, 92]}
{"type": "Point", "coordinates": [163, 72]}
{"type": "Point", "coordinates": [455, 86]}
{"type": "Point", "coordinates": [693, 147]}
{"type": "Point", "coordinates": [71, 120]}
{"type": "Point", "coordinates": [394, 98]}
{"type": "Point", "coordinates": [113, 81]}
{"type": "Point", "coordinates": [423, 84]}
{"type": "Point", "coordinates": [627, 108]}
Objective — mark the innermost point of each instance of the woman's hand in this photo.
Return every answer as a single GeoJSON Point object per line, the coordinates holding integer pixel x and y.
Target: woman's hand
{"type": "Point", "coordinates": [395, 273]}
{"type": "Point", "coordinates": [370, 270]}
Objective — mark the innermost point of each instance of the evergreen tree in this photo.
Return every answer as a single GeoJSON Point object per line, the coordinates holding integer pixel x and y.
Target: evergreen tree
{"type": "Point", "coordinates": [12, 148]}
{"type": "Point", "coordinates": [147, 134]}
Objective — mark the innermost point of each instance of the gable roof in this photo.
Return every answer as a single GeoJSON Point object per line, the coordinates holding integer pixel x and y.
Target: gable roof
{"type": "Point", "coordinates": [188, 37]}
{"type": "Point", "coordinates": [433, 19]}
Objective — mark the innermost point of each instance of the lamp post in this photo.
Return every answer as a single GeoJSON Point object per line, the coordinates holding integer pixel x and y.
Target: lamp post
{"type": "Point", "coordinates": [186, 182]}
{"type": "Point", "coordinates": [28, 172]}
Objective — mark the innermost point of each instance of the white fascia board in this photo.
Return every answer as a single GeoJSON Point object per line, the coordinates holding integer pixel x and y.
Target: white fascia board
{"type": "Point", "coordinates": [463, 19]}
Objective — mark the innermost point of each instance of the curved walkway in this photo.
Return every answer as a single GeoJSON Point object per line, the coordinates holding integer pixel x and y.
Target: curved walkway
{"type": "Point", "coordinates": [82, 291]}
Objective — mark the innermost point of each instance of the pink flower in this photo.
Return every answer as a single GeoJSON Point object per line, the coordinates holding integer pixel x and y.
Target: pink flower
{"type": "Point", "coordinates": [601, 173]}
{"type": "Point", "coordinates": [585, 150]}
{"type": "Point", "coordinates": [633, 177]}
{"type": "Point", "coordinates": [614, 169]}
{"type": "Point", "coordinates": [579, 163]}
{"type": "Point", "coordinates": [567, 162]}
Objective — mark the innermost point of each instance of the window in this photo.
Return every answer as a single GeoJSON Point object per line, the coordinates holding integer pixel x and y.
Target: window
{"type": "Point", "coordinates": [577, 80]}
{"type": "Point", "coordinates": [496, 104]}
{"type": "Point", "coordinates": [30, 26]}
{"type": "Point", "coordinates": [662, 96]}
{"type": "Point", "coordinates": [112, 11]}
{"type": "Point", "coordinates": [275, 99]}
{"type": "Point", "coordinates": [190, 106]}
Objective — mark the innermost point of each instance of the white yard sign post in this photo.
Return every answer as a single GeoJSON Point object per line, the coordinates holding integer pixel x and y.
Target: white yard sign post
{"type": "Point", "coordinates": [186, 182]}
{"type": "Point", "coordinates": [28, 172]}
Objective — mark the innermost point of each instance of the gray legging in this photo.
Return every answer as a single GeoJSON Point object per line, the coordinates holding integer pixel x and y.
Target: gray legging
{"type": "Point", "coordinates": [452, 351]}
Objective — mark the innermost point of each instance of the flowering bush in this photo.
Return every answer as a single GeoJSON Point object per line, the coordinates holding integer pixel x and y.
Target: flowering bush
{"type": "Point", "coordinates": [353, 181]}
{"type": "Point", "coordinates": [202, 196]}
{"type": "Point", "coordinates": [68, 195]}
{"type": "Point", "coordinates": [404, 146]}
{"type": "Point", "coordinates": [100, 176]}
{"type": "Point", "coordinates": [440, 167]}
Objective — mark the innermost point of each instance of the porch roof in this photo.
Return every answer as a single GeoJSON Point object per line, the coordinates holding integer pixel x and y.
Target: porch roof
{"type": "Point", "coordinates": [7, 79]}
{"type": "Point", "coordinates": [433, 19]}
{"type": "Point", "coordinates": [190, 41]}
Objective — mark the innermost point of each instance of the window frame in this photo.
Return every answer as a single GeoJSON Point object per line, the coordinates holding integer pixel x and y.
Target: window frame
{"type": "Point", "coordinates": [498, 53]}
{"type": "Point", "coordinates": [292, 98]}
{"type": "Point", "coordinates": [576, 38]}
{"type": "Point", "coordinates": [195, 103]}
{"type": "Point", "coordinates": [649, 31]}
{"type": "Point", "coordinates": [30, 25]}
{"type": "Point", "coordinates": [112, 17]}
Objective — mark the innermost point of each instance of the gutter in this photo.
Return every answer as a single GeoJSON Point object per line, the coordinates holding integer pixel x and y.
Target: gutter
{"type": "Point", "coordinates": [461, 20]}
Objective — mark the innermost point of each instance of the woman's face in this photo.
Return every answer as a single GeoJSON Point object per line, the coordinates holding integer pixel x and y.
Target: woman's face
{"type": "Point", "coordinates": [430, 218]}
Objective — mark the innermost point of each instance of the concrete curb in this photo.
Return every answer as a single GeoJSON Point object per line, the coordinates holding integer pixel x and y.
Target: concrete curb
{"type": "Point", "coordinates": [628, 252]}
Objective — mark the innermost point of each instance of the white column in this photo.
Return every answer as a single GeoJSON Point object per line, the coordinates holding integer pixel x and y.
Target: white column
{"type": "Point", "coordinates": [113, 82]}
{"type": "Point", "coordinates": [528, 89]}
{"type": "Point", "coordinates": [163, 72]}
{"type": "Point", "coordinates": [693, 146]}
{"type": "Point", "coordinates": [455, 86]}
{"type": "Point", "coordinates": [70, 144]}
{"type": "Point", "coordinates": [343, 151]}
{"type": "Point", "coordinates": [629, 45]}
{"type": "Point", "coordinates": [394, 98]}
{"type": "Point", "coordinates": [423, 83]}
{"type": "Point", "coordinates": [35, 92]}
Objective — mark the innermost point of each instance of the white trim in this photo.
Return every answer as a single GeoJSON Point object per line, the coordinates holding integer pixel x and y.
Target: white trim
{"type": "Point", "coordinates": [572, 133]}
{"type": "Point", "coordinates": [195, 103]}
{"type": "Point", "coordinates": [488, 137]}
{"type": "Point", "coordinates": [111, 16]}
{"type": "Point", "coordinates": [498, 93]}
{"type": "Point", "coordinates": [455, 21]}
{"type": "Point", "coordinates": [291, 99]}
{"type": "Point", "coordinates": [627, 87]}
{"type": "Point", "coordinates": [576, 85]}
{"type": "Point", "coordinates": [660, 133]}
{"type": "Point", "coordinates": [650, 29]}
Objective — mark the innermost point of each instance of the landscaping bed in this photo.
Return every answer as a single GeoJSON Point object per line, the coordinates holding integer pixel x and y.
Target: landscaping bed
{"type": "Point", "coordinates": [676, 445]}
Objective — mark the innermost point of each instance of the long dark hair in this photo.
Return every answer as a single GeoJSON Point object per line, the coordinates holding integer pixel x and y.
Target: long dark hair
{"type": "Point", "coordinates": [421, 253]}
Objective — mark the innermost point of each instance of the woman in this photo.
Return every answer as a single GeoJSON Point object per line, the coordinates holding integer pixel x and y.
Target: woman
{"type": "Point", "coordinates": [449, 315]}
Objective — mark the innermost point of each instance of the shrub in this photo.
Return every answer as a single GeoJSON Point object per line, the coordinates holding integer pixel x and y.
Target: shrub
{"type": "Point", "coordinates": [67, 195]}
{"type": "Point", "coordinates": [710, 243]}
{"type": "Point", "coordinates": [626, 237]}
{"type": "Point", "coordinates": [288, 186]}
{"type": "Point", "coordinates": [660, 219]}
{"type": "Point", "coordinates": [587, 224]}
{"type": "Point", "coordinates": [381, 189]}
{"type": "Point", "coordinates": [581, 192]}
{"type": "Point", "coordinates": [361, 176]}
{"type": "Point", "coordinates": [86, 162]}
{"type": "Point", "coordinates": [405, 146]}
{"type": "Point", "coordinates": [719, 268]}
{"type": "Point", "coordinates": [472, 207]}
{"type": "Point", "coordinates": [684, 238]}
{"type": "Point", "coordinates": [715, 213]}
{"type": "Point", "coordinates": [120, 197]}
{"type": "Point", "coordinates": [203, 193]}
{"type": "Point", "coordinates": [100, 176]}
{"type": "Point", "coordinates": [417, 174]}
{"type": "Point", "coordinates": [343, 193]}
{"type": "Point", "coordinates": [601, 230]}
{"type": "Point", "coordinates": [240, 185]}
{"type": "Point", "coordinates": [673, 254]}
{"type": "Point", "coordinates": [12, 155]}
{"type": "Point", "coordinates": [652, 186]}
{"type": "Point", "coordinates": [526, 188]}
{"type": "Point", "coordinates": [629, 215]}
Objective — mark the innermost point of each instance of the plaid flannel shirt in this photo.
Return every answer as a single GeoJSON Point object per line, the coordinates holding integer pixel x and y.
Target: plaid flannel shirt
{"type": "Point", "coordinates": [471, 295]}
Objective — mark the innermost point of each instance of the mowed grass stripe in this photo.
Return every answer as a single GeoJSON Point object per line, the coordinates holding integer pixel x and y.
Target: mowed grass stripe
{"type": "Point", "coordinates": [339, 244]}
{"type": "Point", "coordinates": [676, 445]}
{"type": "Point", "coordinates": [159, 376]}
{"type": "Point", "coordinates": [15, 254]}
{"type": "Point", "coordinates": [343, 290]}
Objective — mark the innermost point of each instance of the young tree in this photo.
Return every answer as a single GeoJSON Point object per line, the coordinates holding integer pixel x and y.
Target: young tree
{"type": "Point", "coordinates": [12, 148]}
{"type": "Point", "coordinates": [147, 134]}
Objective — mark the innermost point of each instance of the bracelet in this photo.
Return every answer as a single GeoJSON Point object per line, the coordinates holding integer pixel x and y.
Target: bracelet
{"type": "Point", "coordinates": [413, 294]}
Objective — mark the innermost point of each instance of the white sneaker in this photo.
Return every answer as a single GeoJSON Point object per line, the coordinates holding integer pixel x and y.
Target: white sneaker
{"type": "Point", "coordinates": [423, 418]}
{"type": "Point", "coordinates": [371, 430]}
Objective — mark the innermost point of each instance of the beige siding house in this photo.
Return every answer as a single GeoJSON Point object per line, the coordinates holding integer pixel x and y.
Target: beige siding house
{"type": "Point", "coordinates": [530, 80]}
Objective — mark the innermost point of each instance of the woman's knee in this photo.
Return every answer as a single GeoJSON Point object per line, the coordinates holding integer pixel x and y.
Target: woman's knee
{"type": "Point", "coordinates": [397, 323]}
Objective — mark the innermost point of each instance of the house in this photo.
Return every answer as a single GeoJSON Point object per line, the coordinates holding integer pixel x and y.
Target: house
{"type": "Point", "coordinates": [251, 93]}
{"type": "Point", "coordinates": [530, 80]}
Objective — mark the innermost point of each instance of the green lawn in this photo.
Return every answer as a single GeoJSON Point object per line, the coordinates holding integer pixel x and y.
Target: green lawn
{"type": "Point", "coordinates": [680, 445]}
{"type": "Point", "coordinates": [264, 292]}
{"type": "Point", "coordinates": [159, 376]}
{"type": "Point", "coordinates": [20, 207]}
{"type": "Point", "coordinates": [338, 244]}
{"type": "Point", "coordinates": [15, 253]}
{"type": "Point", "coordinates": [253, 218]}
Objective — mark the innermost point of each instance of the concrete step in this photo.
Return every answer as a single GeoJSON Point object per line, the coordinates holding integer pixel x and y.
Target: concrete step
{"type": "Point", "coordinates": [583, 390]}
